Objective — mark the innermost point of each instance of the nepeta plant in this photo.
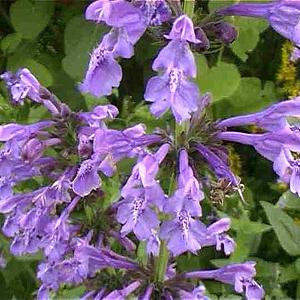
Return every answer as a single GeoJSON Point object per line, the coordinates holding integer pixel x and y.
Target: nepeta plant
{"type": "Point", "coordinates": [159, 210]}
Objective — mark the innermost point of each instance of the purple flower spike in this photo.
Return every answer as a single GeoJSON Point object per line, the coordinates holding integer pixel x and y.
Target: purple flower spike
{"type": "Point", "coordinates": [288, 169]}
{"type": "Point", "coordinates": [183, 30]}
{"type": "Point", "coordinates": [238, 275]}
{"type": "Point", "coordinates": [22, 85]}
{"type": "Point", "coordinates": [123, 293]}
{"type": "Point", "coordinates": [283, 15]}
{"type": "Point", "coordinates": [87, 178]}
{"type": "Point", "coordinates": [273, 118]}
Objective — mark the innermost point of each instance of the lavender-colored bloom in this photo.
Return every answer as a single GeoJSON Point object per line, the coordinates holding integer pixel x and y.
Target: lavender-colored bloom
{"type": "Point", "coordinates": [103, 72]}
{"type": "Point", "coordinates": [189, 193]}
{"type": "Point", "coordinates": [110, 145]}
{"type": "Point", "coordinates": [215, 236]}
{"type": "Point", "coordinates": [123, 293]}
{"type": "Point", "coordinates": [221, 169]}
{"type": "Point", "coordinates": [173, 89]}
{"type": "Point", "coordinates": [141, 191]}
{"type": "Point", "coordinates": [120, 14]}
{"type": "Point", "coordinates": [22, 85]}
{"type": "Point", "coordinates": [272, 119]}
{"type": "Point", "coordinates": [238, 275]}
{"type": "Point", "coordinates": [295, 55]}
{"type": "Point", "coordinates": [283, 15]}
{"type": "Point", "coordinates": [96, 117]}
{"type": "Point", "coordinates": [269, 144]}
{"type": "Point", "coordinates": [87, 178]}
{"type": "Point", "coordinates": [153, 243]}
{"type": "Point", "coordinates": [196, 294]}
{"type": "Point", "coordinates": [183, 30]}
{"type": "Point", "coordinates": [183, 233]}
{"type": "Point", "coordinates": [21, 132]}
{"type": "Point", "coordinates": [156, 12]}
{"type": "Point", "coordinates": [288, 169]}
{"type": "Point", "coordinates": [147, 294]}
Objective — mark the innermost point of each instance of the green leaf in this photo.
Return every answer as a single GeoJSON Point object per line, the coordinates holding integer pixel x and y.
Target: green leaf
{"type": "Point", "coordinates": [72, 293]}
{"type": "Point", "coordinates": [287, 231]}
{"type": "Point", "coordinates": [245, 226]}
{"type": "Point", "coordinates": [221, 80]}
{"type": "Point", "coordinates": [29, 18]}
{"type": "Point", "coordinates": [289, 200]}
{"type": "Point", "coordinates": [249, 31]}
{"type": "Point", "coordinates": [288, 273]}
{"type": "Point", "coordinates": [80, 37]}
{"type": "Point", "coordinates": [10, 42]}
{"type": "Point", "coordinates": [249, 97]}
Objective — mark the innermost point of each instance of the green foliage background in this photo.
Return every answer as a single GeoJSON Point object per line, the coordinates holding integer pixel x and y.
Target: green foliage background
{"type": "Point", "coordinates": [53, 40]}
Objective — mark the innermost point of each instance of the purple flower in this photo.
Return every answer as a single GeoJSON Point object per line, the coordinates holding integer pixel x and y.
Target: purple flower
{"type": "Point", "coordinates": [272, 119]}
{"type": "Point", "coordinates": [288, 169]}
{"type": "Point", "coordinates": [238, 275]}
{"type": "Point", "coordinates": [196, 294]}
{"type": "Point", "coordinates": [141, 191]}
{"type": "Point", "coordinates": [183, 233]}
{"type": "Point", "coordinates": [269, 144]}
{"type": "Point", "coordinates": [103, 72]}
{"type": "Point", "coordinates": [147, 294]}
{"type": "Point", "coordinates": [215, 236]}
{"type": "Point", "coordinates": [120, 14]}
{"type": "Point", "coordinates": [111, 145]}
{"type": "Point", "coordinates": [173, 89]}
{"type": "Point", "coordinates": [188, 193]}
{"type": "Point", "coordinates": [220, 167]}
{"type": "Point", "coordinates": [22, 85]}
{"type": "Point", "coordinates": [87, 178]}
{"type": "Point", "coordinates": [283, 15]}
{"type": "Point", "coordinates": [96, 117]}
{"type": "Point", "coordinates": [156, 12]}
{"type": "Point", "coordinates": [183, 30]}
{"type": "Point", "coordinates": [123, 293]}
{"type": "Point", "coordinates": [153, 243]}
{"type": "Point", "coordinates": [21, 132]}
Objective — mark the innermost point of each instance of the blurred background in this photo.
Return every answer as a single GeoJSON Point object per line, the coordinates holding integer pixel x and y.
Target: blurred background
{"type": "Point", "coordinates": [53, 40]}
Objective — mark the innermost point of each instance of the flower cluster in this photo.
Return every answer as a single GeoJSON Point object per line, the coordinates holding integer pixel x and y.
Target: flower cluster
{"type": "Point", "coordinates": [157, 217]}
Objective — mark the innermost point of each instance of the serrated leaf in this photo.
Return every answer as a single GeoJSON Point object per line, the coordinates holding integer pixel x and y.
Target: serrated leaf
{"type": "Point", "coordinates": [29, 18]}
{"type": "Point", "coordinates": [288, 273]}
{"type": "Point", "coordinates": [287, 231]}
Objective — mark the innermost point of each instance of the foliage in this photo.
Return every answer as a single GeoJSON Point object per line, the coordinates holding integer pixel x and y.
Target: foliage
{"type": "Point", "coordinates": [53, 40]}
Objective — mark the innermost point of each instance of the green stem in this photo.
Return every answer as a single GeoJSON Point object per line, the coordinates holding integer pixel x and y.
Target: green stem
{"type": "Point", "coordinates": [189, 7]}
{"type": "Point", "coordinates": [161, 263]}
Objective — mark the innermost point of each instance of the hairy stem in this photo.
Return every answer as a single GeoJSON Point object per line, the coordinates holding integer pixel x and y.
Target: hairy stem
{"type": "Point", "coordinates": [189, 7]}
